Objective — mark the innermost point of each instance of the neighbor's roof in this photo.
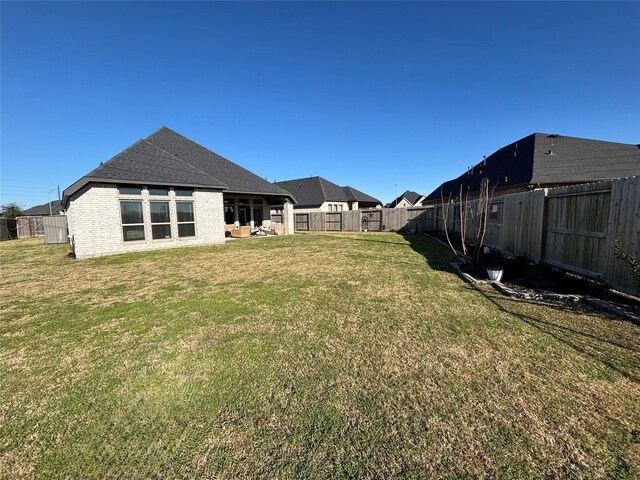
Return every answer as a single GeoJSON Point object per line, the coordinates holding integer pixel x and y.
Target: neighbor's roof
{"type": "Point", "coordinates": [547, 159]}
{"type": "Point", "coordinates": [314, 191]}
{"type": "Point", "coordinates": [56, 207]}
{"type": "Point", "coordinates": [168, 158]}
{"type": "Point", "coordinates": [412, 197]}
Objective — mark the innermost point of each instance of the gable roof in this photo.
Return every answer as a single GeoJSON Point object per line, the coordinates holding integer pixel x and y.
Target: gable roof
{"type": "Point", "coordinates": [168, 158]}
{"type": "Point", "coordinates": [547, 159]}
{"type": "Point", "coordinates": [410, 196]}
{"type": "Point", "coordinates": [56, 207]}
{"type": "Point", "coordinates": [354, 195]}
{"type": "Point", "coordinates": [314, 191]}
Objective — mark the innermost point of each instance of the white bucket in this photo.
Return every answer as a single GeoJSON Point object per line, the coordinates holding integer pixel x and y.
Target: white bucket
{"type": "Point", "coordinates": [495, 274]}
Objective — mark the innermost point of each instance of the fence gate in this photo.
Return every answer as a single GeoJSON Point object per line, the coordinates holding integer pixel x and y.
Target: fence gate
{"type": "Point", "coordinates": [371, 220]}
{"type": "Point", "coordinates": [302, 221]}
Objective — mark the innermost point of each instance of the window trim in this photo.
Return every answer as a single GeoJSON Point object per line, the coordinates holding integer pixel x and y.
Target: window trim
{"type": "Point", "coordinates": [124, 225]}
{"type": "Point", "coordinates": [192, 222]}
{"type": "Point", "coordinates": [152, 223]}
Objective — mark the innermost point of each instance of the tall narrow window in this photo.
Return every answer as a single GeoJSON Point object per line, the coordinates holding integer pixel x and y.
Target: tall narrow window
{"type": "Point", "coordinates": [132, 221]}
{"type": "Point", "coordinates": [186, 221]}
{"type": "Point", "coordinates": [257, 215]}
{"type": "Point", "coordinates": [160, 223]}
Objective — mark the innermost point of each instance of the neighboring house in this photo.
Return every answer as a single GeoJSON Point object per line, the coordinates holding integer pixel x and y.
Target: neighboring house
{"type": "Point", "coordinates": [51, 208]}
{"type": "Point", "coordinates": [406, 200]}
{"type": "Point", "coordinates": [317, 194]}
{"type": "Point", "coordinates": [165, 191]}
{"type": "Point", "coordinates": [543, 160]}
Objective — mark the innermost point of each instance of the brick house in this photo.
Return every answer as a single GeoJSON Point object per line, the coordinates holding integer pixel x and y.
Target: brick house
{"type": "Point", "coordinates": [166, 191]}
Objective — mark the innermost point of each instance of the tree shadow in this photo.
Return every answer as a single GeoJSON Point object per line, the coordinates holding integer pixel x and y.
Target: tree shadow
{"type": "Point", "coordinates": [437, 256]}
{"type": "Point", "coordinates": [580, 341]}
{"type": "Point", "coordinates": [587, 344]}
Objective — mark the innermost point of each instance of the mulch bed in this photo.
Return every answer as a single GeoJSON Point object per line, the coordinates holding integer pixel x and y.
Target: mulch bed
{"type": "Point", "coordinates": [525, 277]}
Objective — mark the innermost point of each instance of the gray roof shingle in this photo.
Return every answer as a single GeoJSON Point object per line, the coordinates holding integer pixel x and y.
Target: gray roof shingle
{"type": "Point", "coordinates": [314, 191]}
{"type": "Point", "coordinates": [412, 197]}
{"type": "Point", "coordinates": [168, 158]}
{"type": "Point", "coordinates": [56, 207]}
{"type": "Point", "coordinates": [547, 159]}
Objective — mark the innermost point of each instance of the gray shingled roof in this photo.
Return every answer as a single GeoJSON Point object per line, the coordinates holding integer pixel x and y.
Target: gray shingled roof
{"type": "Point", "coordinates": [411, 197]}
{"type": "Point", "coordinates": [168, 158]}
{"type": "Point", "coordinates": [358, 196]}
{"type": "Point", "coordinates": [56, 207]}
{"type": "Point", "coordinates": [314, 191]}
{"type": "Point", "coordinates": [548, 159]}
{"type": "Point", "coordinates": [582, 160]}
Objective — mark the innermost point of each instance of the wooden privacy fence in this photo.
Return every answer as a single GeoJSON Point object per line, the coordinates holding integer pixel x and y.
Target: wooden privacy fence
{"type": "Point", "coordinates": [8, 228]}
{"type": "Point", "coordinates": [30, 226]}
{"type": "Point", "coordinates": [572, 228]}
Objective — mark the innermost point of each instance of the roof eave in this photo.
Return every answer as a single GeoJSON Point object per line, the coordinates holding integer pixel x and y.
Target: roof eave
{"type": "Point", "coordinates": [75, 187]}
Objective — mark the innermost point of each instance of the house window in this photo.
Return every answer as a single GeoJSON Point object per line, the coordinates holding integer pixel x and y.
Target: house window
{"type": "Point", "coordinates": [159, 191]}
{"type": "Point", "coordinates": [186, 221]}
{"type": "Point", "coordinates": [229, 215]}
{"type": "Point", "coordinates": [340, 207]}
{"type": "Point", "coordinates": [129, 190]}
{"type": "Point", "coordinates": [160, 222]}
{"type": "Point", "coordinates": [132, 221]}
{"type": "Point", "coordinates": [183, 192]}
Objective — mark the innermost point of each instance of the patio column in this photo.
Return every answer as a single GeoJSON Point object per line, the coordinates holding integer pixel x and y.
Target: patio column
{"type": "Point", "coordinates": [287, 217]}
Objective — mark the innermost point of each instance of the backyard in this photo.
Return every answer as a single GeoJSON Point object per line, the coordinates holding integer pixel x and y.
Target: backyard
{"type": "Point", "coordinates": [304, 356]}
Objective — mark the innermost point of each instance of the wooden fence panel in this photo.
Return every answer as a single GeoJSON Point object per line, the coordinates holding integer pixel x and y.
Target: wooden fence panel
{"type": "Point", "coordinates": [372, 220]}
{"type": "Point", "coordinates": [316, 221]}
{"type": "Point", "coordinates": [333, 221]}
{"type": "Point", "coordinates": [624, 225]}
{"type": "Point", "coordinates": [522, 224]}
{"type": "Point", "coordinates": [352, 221]}
{"type": "Point", "coordinates": [395, 219]}
{"type": "Point", "coordinates": [30, 226]}
{"type": "Point", "coordinates": [493, 235]}
{"type": "Point", "coordinates": [8, 228]}
{"type": "Point", "coordinates": [276, 218]}
{"type": "Point", "coordinates": [576, 227]}
{"type": "Point", "coordinates": [302, 221]}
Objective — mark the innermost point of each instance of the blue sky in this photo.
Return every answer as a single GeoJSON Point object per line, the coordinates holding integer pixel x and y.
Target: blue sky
{"type": "Point", "coordinates": [384, 97]}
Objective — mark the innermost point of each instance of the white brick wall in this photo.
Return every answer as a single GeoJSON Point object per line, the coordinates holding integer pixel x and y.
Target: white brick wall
{"type": "Point", "coordinates": [288, 218]}
{"type": "Point", "coordinates": [96, 226]}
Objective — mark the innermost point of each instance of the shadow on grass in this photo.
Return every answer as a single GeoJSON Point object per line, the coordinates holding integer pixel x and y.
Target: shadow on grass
{"type": "Point", "coordinates": [564, 335]}
{"type": "Point", "coordinates": [435, 255]}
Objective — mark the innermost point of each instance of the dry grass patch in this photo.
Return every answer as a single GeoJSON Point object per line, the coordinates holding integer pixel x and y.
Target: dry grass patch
{"type": "Point", "coordinates": [311, 356]}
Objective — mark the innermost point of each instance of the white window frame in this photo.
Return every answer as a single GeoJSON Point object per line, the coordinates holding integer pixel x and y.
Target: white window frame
{"type": "Point", "coordinates": [193, 222]}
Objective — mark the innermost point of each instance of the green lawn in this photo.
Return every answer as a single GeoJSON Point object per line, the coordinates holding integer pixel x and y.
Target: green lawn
{"type": "Point", "coordinates": [306, 356]}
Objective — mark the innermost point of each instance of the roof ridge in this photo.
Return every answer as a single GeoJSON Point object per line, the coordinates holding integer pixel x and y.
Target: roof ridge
{"type": "Point", "coordinates": [324, 193]}
{"type": "Point", "coordinates": [163, 127]}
